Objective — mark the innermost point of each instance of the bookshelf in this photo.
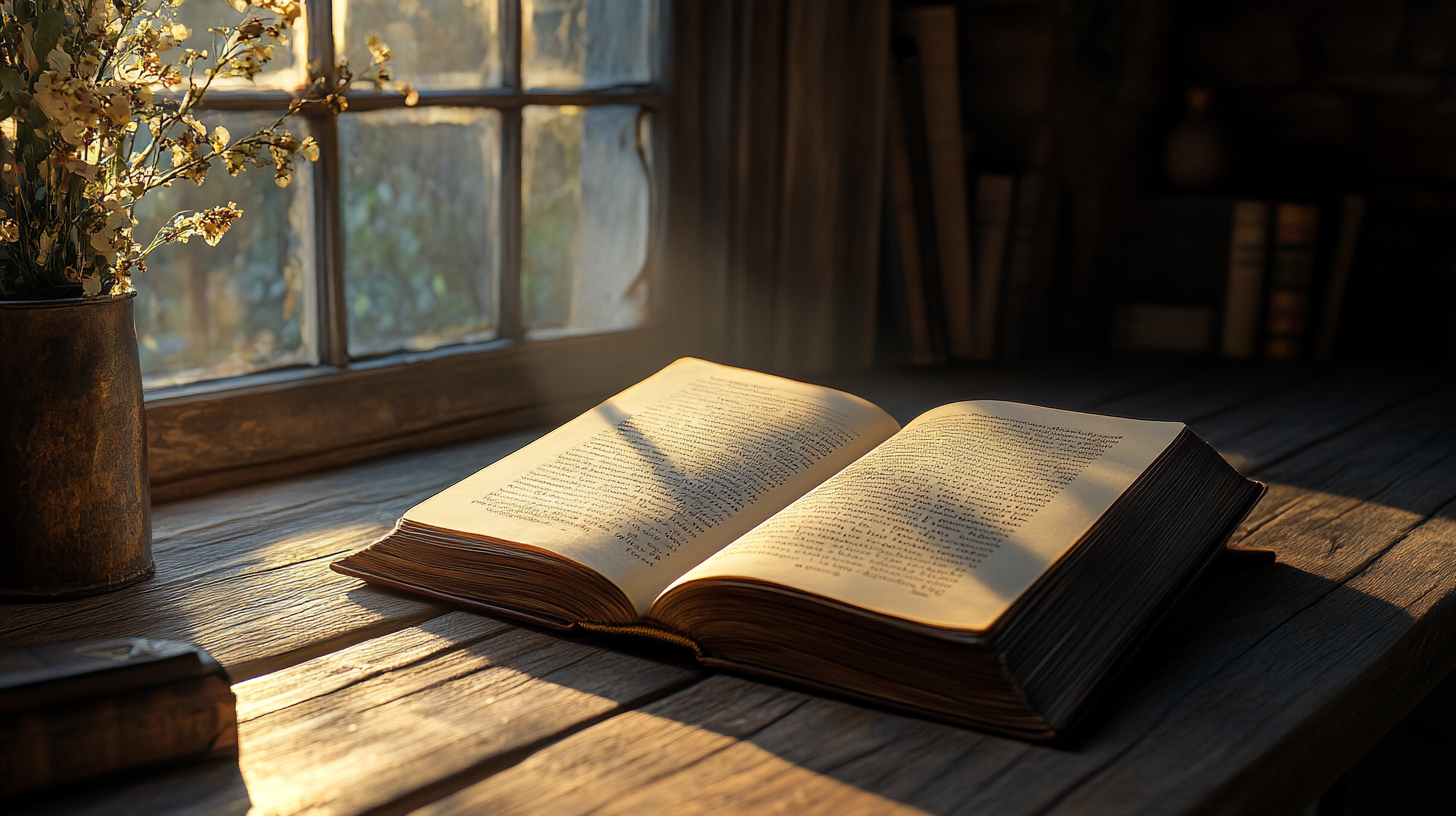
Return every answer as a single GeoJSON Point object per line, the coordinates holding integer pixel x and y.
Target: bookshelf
{"type": "Point", "coordinates": [1336, 109]}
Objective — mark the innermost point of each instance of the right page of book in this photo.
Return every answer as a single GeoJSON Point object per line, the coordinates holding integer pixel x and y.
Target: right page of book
{"type": "Point", "coordinates": [951, 519]}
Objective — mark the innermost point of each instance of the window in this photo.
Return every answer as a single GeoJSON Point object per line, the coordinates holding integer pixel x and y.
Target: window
{"type": "Point", "coordinates": [441, 264]}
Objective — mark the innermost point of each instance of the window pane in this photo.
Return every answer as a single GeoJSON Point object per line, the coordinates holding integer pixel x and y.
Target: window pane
{"type": "Point", "coordinates": [585, 181]}
{"type": "Point", "coordinates": [286, 69]}
{"type": "Point", "coordinates": [587, 43]}
{"type": "Point", "coordinates": [420, 193]}
{"type": "Point", "coordinates": [440, 44]}
{"type": "Point", "coordinates": [244, 305]}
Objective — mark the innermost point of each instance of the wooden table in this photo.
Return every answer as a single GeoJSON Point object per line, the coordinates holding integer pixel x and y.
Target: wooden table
{"type": "Point", "coordinates": [1254, 695]}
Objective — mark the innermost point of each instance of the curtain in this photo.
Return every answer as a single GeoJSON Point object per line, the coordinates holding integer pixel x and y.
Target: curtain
{"type": "Point", "coordinates": [791, 113]}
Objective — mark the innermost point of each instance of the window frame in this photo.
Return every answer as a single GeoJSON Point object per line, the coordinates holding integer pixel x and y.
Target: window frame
{"type": "Point", "coordinates": [220, 433]}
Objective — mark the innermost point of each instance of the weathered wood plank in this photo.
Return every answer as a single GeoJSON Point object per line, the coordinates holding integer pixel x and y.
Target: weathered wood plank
{"type": "Point", "coordinates": [245, 574]}
{"type": "Point", "coordinates": [400, 735]}
{"type": "Point", "coordinates": [400, 719]}
{"type": "Point", "coordinates": [317, 419]}
{"type": "Point", "coordinates": [1333, 680]}
{"type": "Point", "coordinates": [732, 745]}
{"type": "Point", "coordinates": [1363, 470]}
{"type": "Point", "coordinates": [1257, 692]}
{"type": "Point", "coordinates": [1270, 428]}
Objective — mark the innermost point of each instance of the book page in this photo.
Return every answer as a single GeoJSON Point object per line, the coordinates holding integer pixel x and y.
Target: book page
{"type": "Point", "coordinates": [950, 520]}
{"type": "Point", "coordinates": [654, 480]}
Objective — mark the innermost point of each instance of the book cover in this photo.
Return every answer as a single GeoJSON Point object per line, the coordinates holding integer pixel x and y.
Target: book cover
{"type": "Point", "coordinates": [994, 195]}
{"type": "Point", "coordinates": [1291, 273]}
{"type": "Point", "coordinates": [989, 563]}
{"type": "Point", "coordinates": [909, 173]}
{"type": "Point", "coordinates": [1351, 217]}
{"type": "Point", "coordinates": [933, 28]}
{"type": "Point", "coordinates": [1244, 295]}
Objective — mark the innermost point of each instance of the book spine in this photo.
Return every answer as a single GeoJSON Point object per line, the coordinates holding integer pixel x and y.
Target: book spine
{"type": "Point", "coordinates": [901, 173]}
{"type": "Point", "coordinates": [1019, 295]}
{"type": "Point", "coordinates": [65, 743]}
{"type": "Point", "coordinates": [912, 120]}
{"type": "Point", "coordinates": [934, 30]}
{"type": "Point", "coordinates": [1248, 248]}
{"type": "Point", "coordinates": [1290, 273]}
{"type": "Point", "coordinates": [994, 194]}
{"type": "Point", "coordinates": [1354, 213]}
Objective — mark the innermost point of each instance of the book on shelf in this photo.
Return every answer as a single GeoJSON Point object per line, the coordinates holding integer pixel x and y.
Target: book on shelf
{"type": "Point", "coordinates": [933, 29]}
{"type": "Point", "coordinates": [994, 196]}
{"type": "Point", "coordinates": [1244, 293]}
{"type": "Point", "coordinates": [1173, 269]}
{"type": "Point", "coordinates": [1152, 327]}
{"type": "Point", "coordinates": [1291, 273]}
{"type": "Point", "coordinates": [990, 563]}
{"type": "Point", "coordinates": [1026, 286]}
{"type": "Point", "coordinates": [909, 177]}
{"type": "Point", "coordinates": [1351, 216]}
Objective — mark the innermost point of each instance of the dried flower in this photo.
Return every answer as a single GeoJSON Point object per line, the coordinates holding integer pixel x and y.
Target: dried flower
{"type": "Point", "coordinates": [97, 103]}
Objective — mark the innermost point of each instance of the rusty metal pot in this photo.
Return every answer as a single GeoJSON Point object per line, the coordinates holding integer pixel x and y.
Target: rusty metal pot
{"type": "Point", "coordinates": [75, 514]}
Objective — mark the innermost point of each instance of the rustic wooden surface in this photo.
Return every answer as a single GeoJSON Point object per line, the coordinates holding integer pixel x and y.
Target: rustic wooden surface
{"type": "Point", "coordinates": [1255, 694]}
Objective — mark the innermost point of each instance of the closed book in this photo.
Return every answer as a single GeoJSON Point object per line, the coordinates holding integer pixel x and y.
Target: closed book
{"type": "Point", "coordinates": [1351, 216]}
{"type": "Point", "coordinates": [994, 194]}
{"type": "Point", "coordinates": [1158, 328]}
{"type": "Point", "coordinates": [1244, 294]}
{"type": "Point", "coordinates": [79, 709]}
{"type": "Point", "coordinates": [1291, 272]}
{"type": "Point", "coordinates": [933, 28]}
{"type": "Point", "coordinates": [1020, 288]}
{"type": "Point", "coordinates": [909, 175]}
{"type": "Point", "coordinates": [1173, 270]}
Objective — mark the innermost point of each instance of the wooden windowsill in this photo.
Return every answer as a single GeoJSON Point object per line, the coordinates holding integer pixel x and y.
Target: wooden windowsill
{"type": "Point", "coordinates": [206, 438]}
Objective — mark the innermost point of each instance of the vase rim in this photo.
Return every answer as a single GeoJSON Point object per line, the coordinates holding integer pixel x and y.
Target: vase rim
{"type": "Point", "coordinates": [62, 303]}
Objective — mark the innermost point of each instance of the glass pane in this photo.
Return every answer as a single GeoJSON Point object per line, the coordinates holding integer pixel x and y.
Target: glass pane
{"type": "Point", "coordinates": [441, 44]}
{"type": "Point", "coordinates": [585, 181]}
{"type": "Point", "coordinates": [587, 43]}
{"type": "Point", "coordinates": [421, 259]}
{"type": "Point", "coordinates": [286, 69]}
{"type": "Point", "coordinates": [244, 305]}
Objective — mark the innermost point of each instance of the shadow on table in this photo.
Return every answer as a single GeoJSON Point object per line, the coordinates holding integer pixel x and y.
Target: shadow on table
{"type": "Point", "coordinates": [210, 789]}
{"type": "Point", "coordinates": [1246, 663]}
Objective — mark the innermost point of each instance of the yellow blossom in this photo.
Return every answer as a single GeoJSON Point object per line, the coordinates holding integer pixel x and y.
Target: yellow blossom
{"type": "Point", "coordinates": [59, 61]}
{"type": "Point", "coordinates": [73, 131]}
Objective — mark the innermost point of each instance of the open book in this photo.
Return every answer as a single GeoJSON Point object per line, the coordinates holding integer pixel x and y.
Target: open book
{"type": "Point", "coordinates": [990, 563]}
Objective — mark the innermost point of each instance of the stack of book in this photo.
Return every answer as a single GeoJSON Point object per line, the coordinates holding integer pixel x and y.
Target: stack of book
{"type": "Point", "coordinates": [970, 263]}
{"type": "Point", "coordinates": [1244, 278]}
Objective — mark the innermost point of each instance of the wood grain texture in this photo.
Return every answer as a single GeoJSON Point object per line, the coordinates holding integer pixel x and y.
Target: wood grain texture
{"type": "Point", "coordinates": [392, 719]}
{"type": "Point", "coordinates": [245, 574]}
{"type": "Point", "coordinates": [1254, 694]}
{"type": "Point", "coordinates": [195, 436]}
{"type": "Point", "coordinates": [1257, 692]}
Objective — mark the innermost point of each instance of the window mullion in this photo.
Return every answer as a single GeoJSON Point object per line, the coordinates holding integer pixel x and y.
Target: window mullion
{"type": "Point", "coordinates": [332, 319]}
{"type": "Point", "coordinates": [333, 336]}
{"type": "Point", "coordinates": [511, 323]}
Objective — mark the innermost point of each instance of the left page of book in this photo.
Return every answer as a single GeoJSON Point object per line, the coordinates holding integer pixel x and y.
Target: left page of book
{"type": "Point", "coordinates": [653, 481]}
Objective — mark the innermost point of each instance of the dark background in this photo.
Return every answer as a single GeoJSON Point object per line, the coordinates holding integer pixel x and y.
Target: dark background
{"type": "Point", "coordinates": [1317, 99]}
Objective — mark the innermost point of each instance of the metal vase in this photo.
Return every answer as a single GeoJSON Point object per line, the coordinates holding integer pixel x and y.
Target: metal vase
{"type": "Point", "coordinates": [74, 499]}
